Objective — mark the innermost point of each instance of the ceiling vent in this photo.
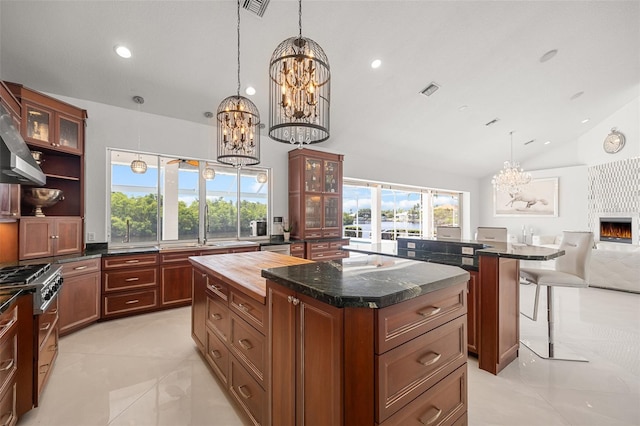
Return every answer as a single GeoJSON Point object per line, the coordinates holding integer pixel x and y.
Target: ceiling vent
{"type": "Point", "coordinates": [256, 6]}
{"type": "Point", "coordinates": [430, 89]}
{"type": "Point", "coordinates": [531, 141]}
{"type": "Point", "coordinates": [494, 121]}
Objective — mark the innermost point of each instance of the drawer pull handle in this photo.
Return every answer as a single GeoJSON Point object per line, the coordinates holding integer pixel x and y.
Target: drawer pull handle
{"type": "Point", "coordinates": [7, 365]}
{"type": "Point", "coordinates": [242, 389]}
{"type": "Point", "coordinates": [434, 310]}
{"type": "Point", "coordinates": [432, 418]}
{"type": "Point", "coordinates": [216, 317]}
{"type": "Point", "coordinates": [44, 368]}
{"type": "Point", "coordinates": [80, 268]}
{"type": "Point", "coordinates": [244, 308]}
{"type": "Point", "coordinates": [131, 302]}
{"type": "Point", "coordinates": [216, 287]}
{"type": "Point", "coordinates": [53, 348]}
{"type": "Point", "coordinates": [7, 323]}
{"type": "Point", "coordinates": [7, 419]}
{"type": "Point", "coordinates": [246, 345]}
{"type": "Point", "coordinates": [430, 359]}
{"type": "Point", "coordinates": [132, 261]}
{"type": "Point", "coordinates": [216, 354]}
{"type": "Point", "coordinates": [132, 279]}
{"type": "Point", "coordinates": [46, 326]}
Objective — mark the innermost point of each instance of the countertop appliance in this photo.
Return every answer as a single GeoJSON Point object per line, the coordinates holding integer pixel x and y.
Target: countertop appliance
{"type": "Point", "coordinates": [258, 228]}
{"type": "Point", "coordinates": [277, 234]}
{"type": "Point", "coordinates": [45, 278]}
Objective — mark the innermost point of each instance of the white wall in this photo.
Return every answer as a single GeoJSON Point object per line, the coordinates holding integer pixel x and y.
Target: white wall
{"type": "Point", "coordinates": [114, 127]}
{"type": "Point", "coordinates": [569, 162]}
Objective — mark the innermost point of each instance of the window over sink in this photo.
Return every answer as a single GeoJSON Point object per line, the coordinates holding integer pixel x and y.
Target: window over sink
{"type": "Point", "coordinates": [163, 204]}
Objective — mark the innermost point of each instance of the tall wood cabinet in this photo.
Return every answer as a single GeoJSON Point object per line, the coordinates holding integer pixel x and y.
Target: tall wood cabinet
{"type": "Point", "coordinates": [56, 129]}
{"type": "Point", "coordinates": [315, 202]}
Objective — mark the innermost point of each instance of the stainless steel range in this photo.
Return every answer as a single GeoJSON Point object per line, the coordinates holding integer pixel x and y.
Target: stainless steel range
{"type": "Point", "coordinates": [44, 277]}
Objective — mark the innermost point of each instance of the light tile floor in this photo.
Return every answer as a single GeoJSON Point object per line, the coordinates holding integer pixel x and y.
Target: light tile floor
{"type": "Point", "coordinates": [145, 370]}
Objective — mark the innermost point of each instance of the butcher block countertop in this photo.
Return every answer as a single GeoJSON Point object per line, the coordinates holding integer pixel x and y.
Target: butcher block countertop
{"type": "Point", "coordinates": [245, 269]}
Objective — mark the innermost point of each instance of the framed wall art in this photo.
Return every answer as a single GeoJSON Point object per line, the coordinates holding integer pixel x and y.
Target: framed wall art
{"type": "Point", "coordinates": [539, 198]}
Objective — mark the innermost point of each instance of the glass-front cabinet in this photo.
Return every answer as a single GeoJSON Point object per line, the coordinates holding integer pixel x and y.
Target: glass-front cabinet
{"type": "Point", "coordinates": [315, 188]}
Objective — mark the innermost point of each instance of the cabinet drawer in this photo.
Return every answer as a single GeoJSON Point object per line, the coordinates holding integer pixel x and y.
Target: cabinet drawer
{"type": "Point", "coordinates": [178, 256]}
{"type": "Point", "coordinates": [218, 356]}
{"type": "Point", "coordinates": [319, 246]}
{"type": "Point", "coordinates": [338, 244]}
{"type": "Point", "coordinates": [249, 347]}
{"type": "Point", "coordinates": [308, 234]}
{"type": "Point", "coordinates": [81, 267]}
{"type": "Point", "coordinates": [130, 301]}
{"type": "Point", "coordinates": [247, 392]}
{"type": "Point", "coordinates": [8, 415]}
{"type": "Point", "coordinates": [329, 255]}
{"type": "Point", "coordinates": [130, 279]}
{"type": "Point", "coordinates": [297, 249]}
{"type": "Point", "coordinates": [46, 357]}
{"type": "Point", "coordinates": [218, 288]}
{"type": "Point", "coordinates": [8, 321]}
{"type": "Point", "coordinates": [410, 369]}
{"type": "Point", "coordinates": [331, 233]}
{"type": "Point", "coordinates": [218, 318]}
{"type": "Point", "coordinates": [113, 262]}
{"type": "Point", "coordinates": [47, 321]}
{"type": "Point", "coordinates": [443, 404]}
{"type": "Point", "coordinates": [400, 323]}
{"type": "Point", "coordinates": [249, 309]}
{"type": "Point", "coordinates": [8, 360]}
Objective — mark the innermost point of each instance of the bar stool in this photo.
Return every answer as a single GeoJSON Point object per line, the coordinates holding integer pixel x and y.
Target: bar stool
{"type": "Point", "coordinates": [448, 233]}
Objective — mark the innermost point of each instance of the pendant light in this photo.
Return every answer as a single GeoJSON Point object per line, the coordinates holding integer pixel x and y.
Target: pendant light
{"type": "Point", "coordinates": [512, 178]}
{"type": "Point", "coordinates": [299, 93]}
{"type": "Point", "coordinates": [238, 125]}
{"type": "Point", "coordinates": [138, 166]}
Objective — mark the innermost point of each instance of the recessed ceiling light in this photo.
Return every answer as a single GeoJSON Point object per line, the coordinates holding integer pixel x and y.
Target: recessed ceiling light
{"type": "Point", "coordinates": [123, 51]}
{"type": "Point", "coordinates": [250, 91]}
{"type": "Point", "coordinates": [550, 54]}
{"type": "Point", "coordinates": [576, 96]}
{"type": "Point", "coordinates": [463, 107]}
{"type": "Point", "coordinates": [547, 142]}
{"type": "Point", "coordinates": [586, 120]}
{"type": "Point", "coordinates": [376, 63]}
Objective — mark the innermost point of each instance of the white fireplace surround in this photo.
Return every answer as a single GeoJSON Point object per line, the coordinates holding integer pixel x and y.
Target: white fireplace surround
{"type": "Point", "coordinates": [635, 225]}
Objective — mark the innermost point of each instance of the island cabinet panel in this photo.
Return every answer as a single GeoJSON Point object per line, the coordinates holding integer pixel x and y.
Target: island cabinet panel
{"type": "Point", "coordinates": [79, 297]}
{"type": "Point", "coordinates": [175, 280]}
{"type": "Point", "coordinates": [218, 317]}
{"type": "Point", "coordinates": [217, 355]}
{"type": "Point", "coordinates": [473, 312]}
{"type": "Point", "coordinates": [251, 397]}
{"type": "Point", "coordinates": [250, 310]}
{"type": "Point", "coordinates": [306, 337]}
{"type": "Point", "coordinates": [9, 366]}
{"type": "Point", "coordinates": [199, 309]}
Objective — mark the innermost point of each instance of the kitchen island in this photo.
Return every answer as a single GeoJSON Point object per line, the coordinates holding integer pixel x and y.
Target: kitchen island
{"type": "Point", "coordinates": [371, 340]}
{"type": "Point", "coordinates": [494, 294]}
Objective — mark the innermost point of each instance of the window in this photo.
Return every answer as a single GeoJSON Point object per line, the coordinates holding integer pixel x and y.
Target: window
{"type": "Point", "coordinates": [163, 204]}
{"type": "Point", "coordinates": [374, 211]}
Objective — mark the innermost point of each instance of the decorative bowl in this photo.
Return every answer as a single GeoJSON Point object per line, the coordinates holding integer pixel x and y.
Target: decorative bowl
{"type": "Point", "coordinates": [41, 197]}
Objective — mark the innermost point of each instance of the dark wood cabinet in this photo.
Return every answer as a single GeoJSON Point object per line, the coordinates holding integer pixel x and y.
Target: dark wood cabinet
{"type": "Point", "coordinates": [9, 201]}
{"type": "Point", "coordinates": [47, 349]}
{"type": "Point", "coordinates": [306, 338]}
{"type": "Point", "coordinates": [315, 194]}
{"type": "Point", "coordinates": [175, 278]}
{"type": "Point", "coordinates": [129, 285]}
{"type": "Point", "coordinates": [199, 309]}
{"type": "Point", "coordinates": [9, 365]}
{"type": "Point", "coordinates": [473, 312]}
{"type": "Point", "coordinates": [79, 297]}
{"type": "Point", "coordinates": [49, 236]}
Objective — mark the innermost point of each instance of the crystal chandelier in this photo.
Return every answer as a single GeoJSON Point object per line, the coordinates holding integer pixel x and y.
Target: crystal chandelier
{"type": "Point", "coordinates": [238, 126]}
{"type": "Point", "coordinates": [299, 91]}
{"type": "Point", "coordinates": [512, 178]}
{"type": "Point", "coordinates": [138, 166]}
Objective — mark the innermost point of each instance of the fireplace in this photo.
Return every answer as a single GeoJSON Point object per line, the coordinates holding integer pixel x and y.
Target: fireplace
{"type": "Point", "coordinates": [616, 229]}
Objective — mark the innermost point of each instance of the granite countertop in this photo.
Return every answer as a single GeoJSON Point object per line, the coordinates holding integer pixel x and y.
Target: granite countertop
{"type": "Point", "coordinates": [372, 281]}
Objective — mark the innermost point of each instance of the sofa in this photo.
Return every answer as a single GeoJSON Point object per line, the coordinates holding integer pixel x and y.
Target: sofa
{"type": "Point", "coordinates": [613, 265]}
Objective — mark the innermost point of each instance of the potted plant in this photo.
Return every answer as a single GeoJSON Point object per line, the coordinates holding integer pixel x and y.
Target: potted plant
{"type": "Point", "coordinates": [286, 229]}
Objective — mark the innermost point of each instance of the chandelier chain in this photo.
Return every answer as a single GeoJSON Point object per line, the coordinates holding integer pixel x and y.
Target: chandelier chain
{"type": "Point", "coordinates": [238, 32]}
{"type": "Point", "coordinates": [299, 18]}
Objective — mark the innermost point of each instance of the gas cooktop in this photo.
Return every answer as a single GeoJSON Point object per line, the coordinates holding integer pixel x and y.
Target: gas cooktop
{"type": "Point", "coordinates": [22, 274]}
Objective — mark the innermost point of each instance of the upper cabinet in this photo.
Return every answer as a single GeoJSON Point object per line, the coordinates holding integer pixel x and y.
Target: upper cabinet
{"type": "Point", "coordinates": [50, 123]}
{"type": "Point", "coordinates": [315, 194]}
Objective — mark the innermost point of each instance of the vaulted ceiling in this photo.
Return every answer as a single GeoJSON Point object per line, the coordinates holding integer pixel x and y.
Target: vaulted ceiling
{"type": "Point", "coordinates": [484, 55]}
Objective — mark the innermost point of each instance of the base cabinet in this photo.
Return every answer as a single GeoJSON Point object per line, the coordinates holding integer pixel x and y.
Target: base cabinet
{"type": "Point", "coordinates": [47, 349]}
{"type": "Point", "coordinates": [129, 285]}
{"type": "Point", "coordinates": [473, 312]}
{"type": "Point", "coordinates": [79, 297]}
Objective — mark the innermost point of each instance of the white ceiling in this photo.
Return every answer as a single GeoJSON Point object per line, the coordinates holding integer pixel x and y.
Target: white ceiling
{"type": "Point", "coordinates": [483, 54]}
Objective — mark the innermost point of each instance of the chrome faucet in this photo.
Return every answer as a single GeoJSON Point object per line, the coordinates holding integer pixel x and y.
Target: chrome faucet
{"type": "Point", "coordinates": [127, 235]}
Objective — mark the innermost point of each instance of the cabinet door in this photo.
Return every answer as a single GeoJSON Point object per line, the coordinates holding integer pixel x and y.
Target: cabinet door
{"type": "Point", "coordinates": [79, 302]}
{"type": "Point", "coordinates": [9, 200]}
{"type": "Point", "coordinates": [36, 238]}
{"type": "Point", "coordinates": [332, 175]}
{"type": "Point", "coordinates": [331, 216]}
{"type": "Point", "coordinates": [319, 390]}
{"type": "Point", "coordinates": [199, 309]}
{"type": "Point", "coordinates": [68, 235]}
{"type": "Point", "coordinates": [36, 124]}
{"type": "Point", "coordinates": [69, 134]}
{"type": "Point", "coordinates": [313, 175]}
{"type": "Point", "coordinates": [313, 216]}
{"type": "Point", "coordinates": [175, 284]}
{"type": "Point", "coordinates": [282, 329]}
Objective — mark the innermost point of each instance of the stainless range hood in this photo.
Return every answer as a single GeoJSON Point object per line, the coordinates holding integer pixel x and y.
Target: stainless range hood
{"type": "Point", "coordinates": [16, 163]}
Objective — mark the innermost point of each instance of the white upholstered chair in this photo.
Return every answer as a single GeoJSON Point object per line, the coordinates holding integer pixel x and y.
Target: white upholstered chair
{"type": "Point", "coordinates": [485, 233]}
{"type": "Point", "coordinates": [448, 233]}
{"type": "Point", "coordinates": [571, 270]}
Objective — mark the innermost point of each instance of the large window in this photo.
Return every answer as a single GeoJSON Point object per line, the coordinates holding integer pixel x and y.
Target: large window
{"type": "Point", "coordinates": [374, 211]}
{"type": "Point", "coordinates": [163, 204]}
